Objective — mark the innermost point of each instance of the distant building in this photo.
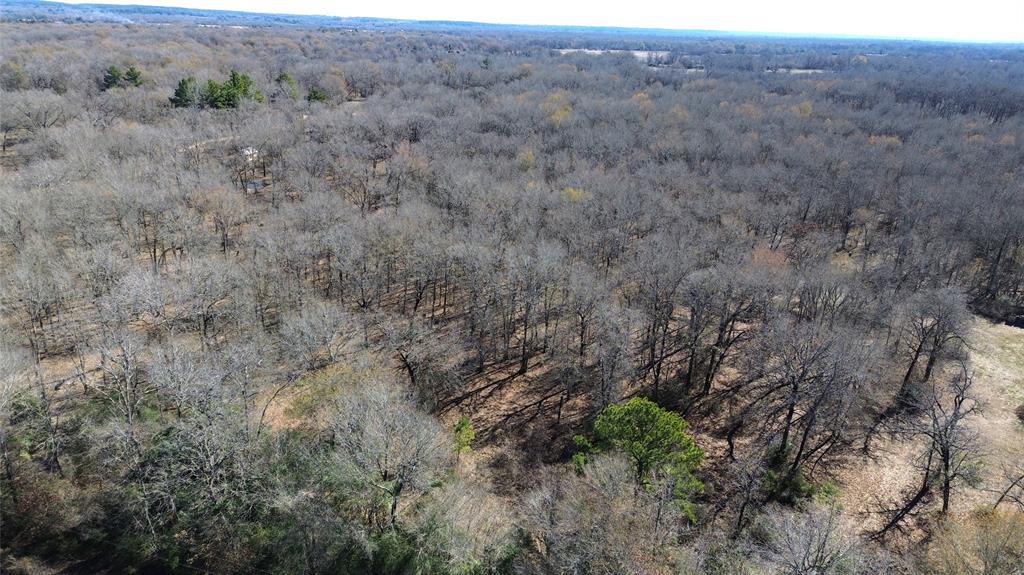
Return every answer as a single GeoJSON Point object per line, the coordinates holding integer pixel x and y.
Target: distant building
{"type": "Point", "coordinates": [250, 154]}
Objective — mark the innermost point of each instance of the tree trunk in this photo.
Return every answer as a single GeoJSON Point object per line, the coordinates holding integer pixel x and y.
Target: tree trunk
{"type": "Point", "coordinates": [393, 514]}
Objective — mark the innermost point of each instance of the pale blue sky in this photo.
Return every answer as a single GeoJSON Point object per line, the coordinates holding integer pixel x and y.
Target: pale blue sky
{"type": "Point", "coordinates": [975, 20]}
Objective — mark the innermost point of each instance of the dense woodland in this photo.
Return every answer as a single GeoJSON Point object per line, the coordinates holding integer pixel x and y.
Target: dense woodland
{"type": "Point", "coordinates": [287, 299]}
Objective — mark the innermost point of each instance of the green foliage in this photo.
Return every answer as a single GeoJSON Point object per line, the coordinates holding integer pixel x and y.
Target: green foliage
{"type": "Point", "coordinates": [241, 86]}
{"type": "Point", "coordinates": [464, 435]}
{"type": "Point", "coordinates": [186, 95]}
{"type": "Point", "coordinates": [214, 95]}
{"type": "Point", "coordinates": [583, 449]}
{"type": "Point", "coordinates": [316, 95]}
{"type": "Point", "coordinates": [788, 486]}
{"type": "Point", "coordinates": [217, 95]}
{"type": "Point", "coordinates": [791, 487]}
{"type": "Point", "coordinates": [655, 439]}
{"type": "Point", "coordinates": [133, 76]}
{"type": "Point", "coordinates": [658, 445]}
{"type": "Point", "coordinates": [826, 491]}
{"type": "Point", "coordinates": [113, 77]}
{"type": "Point", "coordinates": [287, 85]}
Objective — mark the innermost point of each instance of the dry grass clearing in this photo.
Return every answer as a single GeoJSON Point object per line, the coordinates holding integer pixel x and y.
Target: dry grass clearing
{"type": "Point", "coordinates": [997, 357]}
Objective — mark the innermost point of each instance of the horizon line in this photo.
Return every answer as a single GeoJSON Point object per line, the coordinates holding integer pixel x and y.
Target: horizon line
{"type": "Point", "coordinates": [550, 27]}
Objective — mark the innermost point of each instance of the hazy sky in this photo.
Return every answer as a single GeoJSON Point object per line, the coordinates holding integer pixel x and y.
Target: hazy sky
{"type": "Point", "coordinates": [978, 20]}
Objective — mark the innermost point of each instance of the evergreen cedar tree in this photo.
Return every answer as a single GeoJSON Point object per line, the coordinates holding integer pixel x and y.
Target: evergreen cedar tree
{"type": "Point", "coordinates": [216, 95]}
{"type": "Point", "coordinates": [114, 77]}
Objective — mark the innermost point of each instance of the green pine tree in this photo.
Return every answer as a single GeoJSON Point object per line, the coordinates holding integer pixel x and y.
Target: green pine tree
{"type": "Point", "coordinates": [113, 78]}
{"type": "Point", "coordinates": [133, 76]}
{"type": "Point", "coordinates": [316, 95]}
{"type": "Point", "coordinates": [657, 442]}
{"type": "Point", "coordinates": [240, 86]}
{"type": "Point", "coordinates": [217, 96]}
{"type": "Point", "coordinates": [186, 95]}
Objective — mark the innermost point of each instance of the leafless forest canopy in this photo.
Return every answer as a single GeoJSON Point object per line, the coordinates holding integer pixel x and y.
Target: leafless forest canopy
{"type": "Point", "coordinates": [319, 299]}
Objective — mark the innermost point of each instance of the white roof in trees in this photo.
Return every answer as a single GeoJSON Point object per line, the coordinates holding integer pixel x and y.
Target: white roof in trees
{"type": "Point", "coordinates": [250, 154]}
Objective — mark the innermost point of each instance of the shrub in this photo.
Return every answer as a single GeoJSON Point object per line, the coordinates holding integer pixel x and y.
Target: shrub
{"type": "Point", "coordinates": [316, 95]}
{"type": "Point", "coordinates": [464, 435]}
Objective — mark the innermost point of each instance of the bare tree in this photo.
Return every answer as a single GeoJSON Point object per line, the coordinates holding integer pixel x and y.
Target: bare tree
{"type": "Point", "coordinates": [598, 523]}
{"type": "Point", "coordinates": [803, 391]}
{"type": "Point", "coordinates": [989, 543]}
{"type": "Point", "coordinates": [951, 456]}
{"type": "Point", "coordinates": [1013, 476]}
{"type": "Point", "coordinates": [432, 358]}
{"type": "Point", "coordinates": [955, 444]}
{"type": "Point", "coordinates": [392, 451]}
{"type": "Point", "coordinates": [12, 371]}
{"type": "Point", "coordinates": [935, 321]}
{"type": "Point", "coordinates": [814, 541]}
{"type": "Point", "coordinates": [315, 334]}
{"type": "Point", "coordinates": [124, 384]}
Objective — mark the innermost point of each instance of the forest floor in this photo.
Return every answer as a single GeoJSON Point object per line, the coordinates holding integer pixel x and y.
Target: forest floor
{"type": "Point", "coordinates": [997, 358]}
{"type": "Point", "coordinates": [520, 420]}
